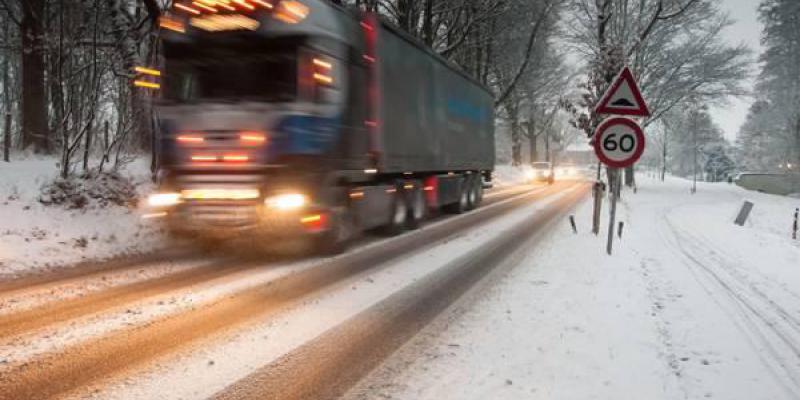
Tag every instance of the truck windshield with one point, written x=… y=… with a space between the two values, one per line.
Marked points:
x=268 y=78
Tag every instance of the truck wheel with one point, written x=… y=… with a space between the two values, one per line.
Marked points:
x=479 y=190
x=399 y=216
x=462 y=205
x=472 y=194
x=417 y=208
x=337 y=238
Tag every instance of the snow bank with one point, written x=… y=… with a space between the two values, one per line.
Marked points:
x=34 y=236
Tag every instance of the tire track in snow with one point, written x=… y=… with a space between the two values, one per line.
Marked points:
x=758 y=323
x=740 y=273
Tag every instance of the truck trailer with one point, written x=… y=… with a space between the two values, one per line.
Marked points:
x=303 y=119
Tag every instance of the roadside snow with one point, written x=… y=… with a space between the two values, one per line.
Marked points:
x=35 y=237
x=689 y=306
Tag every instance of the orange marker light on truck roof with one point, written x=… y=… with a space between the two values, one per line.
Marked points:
x=291 y=12
x=263 y=3
x=244 y=4
x=204 y=7
x=146 y=85
x=147 y=71
x=188 y=9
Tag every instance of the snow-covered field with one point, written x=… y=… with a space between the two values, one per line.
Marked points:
x=38 y=237
x=690 y=306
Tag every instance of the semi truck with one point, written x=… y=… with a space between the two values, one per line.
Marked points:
x=304 y=119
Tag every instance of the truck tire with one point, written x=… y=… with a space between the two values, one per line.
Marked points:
x=462 y=205
x=417 y=208
x=472 y=194
x=338 y=237
x=479 y=189
x=398 y=217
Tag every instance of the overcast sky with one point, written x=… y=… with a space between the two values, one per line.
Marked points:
x=746 y=29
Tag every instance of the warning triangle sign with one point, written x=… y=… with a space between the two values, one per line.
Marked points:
x=623 y=97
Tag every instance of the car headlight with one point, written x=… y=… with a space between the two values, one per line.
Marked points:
x=163 y=199
x=287 y=201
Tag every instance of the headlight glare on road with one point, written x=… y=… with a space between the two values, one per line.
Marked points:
x=286 y=201
x=163 y=199
x=530 y=174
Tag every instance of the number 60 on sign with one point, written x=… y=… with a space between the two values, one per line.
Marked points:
x=619 y=142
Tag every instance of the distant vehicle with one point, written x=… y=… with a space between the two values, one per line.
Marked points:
x=304 y=119
x=542 y=171
x=568 y=170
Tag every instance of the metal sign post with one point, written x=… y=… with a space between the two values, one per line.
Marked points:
x=614 y=177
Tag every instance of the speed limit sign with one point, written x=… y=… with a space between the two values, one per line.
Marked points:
x=618 y=142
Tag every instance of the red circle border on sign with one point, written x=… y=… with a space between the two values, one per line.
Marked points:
x=639 y=140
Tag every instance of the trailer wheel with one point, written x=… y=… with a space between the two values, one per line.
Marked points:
x=472 y=194
x=417 y=208
x=399 y=216
x=462 y=205
x=479 y=190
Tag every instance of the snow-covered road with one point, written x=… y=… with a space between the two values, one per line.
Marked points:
x=690 y=306
x=134 y=331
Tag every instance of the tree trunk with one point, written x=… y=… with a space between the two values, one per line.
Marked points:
x=427 y=23
x=516 y=144
x=7 y=139
x=86 y=147
x=35 y=130
x=665 y=145
x=404 y=18
x=534 y=148
x=547 y=145
x=6 y=100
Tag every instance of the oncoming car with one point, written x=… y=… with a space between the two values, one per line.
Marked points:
x=542 y=171
x=567 y=171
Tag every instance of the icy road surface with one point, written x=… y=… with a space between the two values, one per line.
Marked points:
x=689 y=307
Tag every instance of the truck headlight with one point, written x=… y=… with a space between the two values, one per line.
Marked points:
x=286 y=201
x=163 y=199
